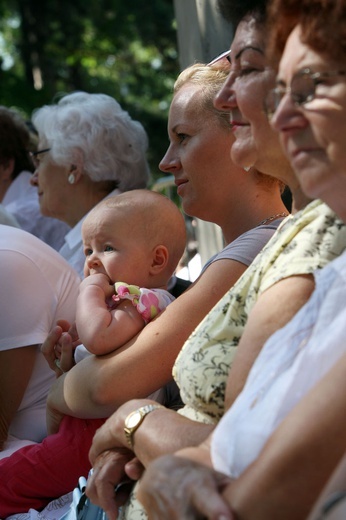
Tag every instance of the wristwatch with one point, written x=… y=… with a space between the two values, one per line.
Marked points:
x=135 y=419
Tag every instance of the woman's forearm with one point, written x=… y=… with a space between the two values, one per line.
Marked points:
x=97 y=386
x=166 y=431
x=16 y=367
x=162 y=431
x=71 y=394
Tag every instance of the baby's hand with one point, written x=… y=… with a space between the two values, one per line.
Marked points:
x=100 y=280
x=59 y=345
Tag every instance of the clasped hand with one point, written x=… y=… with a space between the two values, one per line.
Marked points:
x=176 y=488
x=109 y=485
x=115 y=467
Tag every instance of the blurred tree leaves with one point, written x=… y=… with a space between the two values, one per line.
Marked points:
x=126 y=49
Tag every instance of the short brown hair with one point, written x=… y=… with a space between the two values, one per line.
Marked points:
x=323 y=24
x=15 y=141
x=236 y=10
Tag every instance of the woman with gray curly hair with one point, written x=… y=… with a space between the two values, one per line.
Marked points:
x=89 y=148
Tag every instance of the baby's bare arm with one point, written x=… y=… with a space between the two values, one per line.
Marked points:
x=100 y=329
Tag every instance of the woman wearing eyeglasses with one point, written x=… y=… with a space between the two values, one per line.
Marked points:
x=277 y=445
x=17 y=196
x=89 y=148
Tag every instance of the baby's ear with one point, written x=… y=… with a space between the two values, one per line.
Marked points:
x=160 y=259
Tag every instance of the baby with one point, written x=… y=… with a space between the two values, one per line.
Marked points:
x=132 y=243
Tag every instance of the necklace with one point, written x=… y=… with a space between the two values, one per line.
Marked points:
x=272 y=217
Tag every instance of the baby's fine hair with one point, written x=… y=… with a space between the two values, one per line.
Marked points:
x=92 y=130
x=153 y=217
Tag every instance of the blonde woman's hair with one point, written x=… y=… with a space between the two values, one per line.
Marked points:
x=210 y=79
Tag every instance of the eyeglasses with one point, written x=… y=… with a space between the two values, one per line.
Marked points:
x=302 y=89
x=219 y=57
x=34 y=155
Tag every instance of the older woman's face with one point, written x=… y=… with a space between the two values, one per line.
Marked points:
x=243 y=95
x=313 y=134
x=52 y=186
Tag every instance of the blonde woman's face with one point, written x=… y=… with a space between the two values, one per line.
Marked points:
x=198 y=155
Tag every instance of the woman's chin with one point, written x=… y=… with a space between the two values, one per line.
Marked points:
x=45 y=211
x=243 y=156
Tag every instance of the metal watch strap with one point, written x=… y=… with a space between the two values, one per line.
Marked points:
x=143 y=412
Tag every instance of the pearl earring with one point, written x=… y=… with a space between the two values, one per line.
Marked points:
x=71 y=178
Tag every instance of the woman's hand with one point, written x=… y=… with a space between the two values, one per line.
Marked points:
x=114 y=466
x=111 y=434
x=174 y=487
x=109 y=486
x=60 y=345
x=134 y=469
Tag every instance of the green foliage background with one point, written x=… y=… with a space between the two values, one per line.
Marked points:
x=127 y=49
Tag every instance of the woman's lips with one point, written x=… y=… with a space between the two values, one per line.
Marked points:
x=238 y=124
x=300 y=156
x=180 y=183
x=306 y=149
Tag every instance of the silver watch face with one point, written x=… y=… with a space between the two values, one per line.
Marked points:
x=133 y=419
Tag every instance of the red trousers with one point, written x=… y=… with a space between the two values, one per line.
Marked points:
x=34 y=475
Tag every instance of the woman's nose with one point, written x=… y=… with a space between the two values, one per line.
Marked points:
x=34 y=178
x=286 y=115
x=225 y=98
x=169 y=162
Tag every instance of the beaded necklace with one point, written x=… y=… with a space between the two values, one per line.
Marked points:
x=272 y=217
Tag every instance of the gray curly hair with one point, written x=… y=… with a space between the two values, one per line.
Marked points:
x=92 y=130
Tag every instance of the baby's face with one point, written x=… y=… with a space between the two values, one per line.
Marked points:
x=111 y=248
